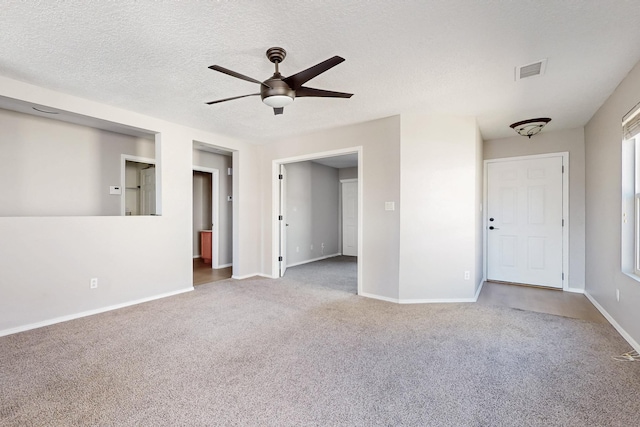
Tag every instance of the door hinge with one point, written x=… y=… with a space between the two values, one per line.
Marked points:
x=563 y=222
x=562 y=276
x=562 y=168
x=279 y=217
x=280 y=176
x=279 y=258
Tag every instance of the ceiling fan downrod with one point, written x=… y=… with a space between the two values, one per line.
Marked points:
x=276 y=55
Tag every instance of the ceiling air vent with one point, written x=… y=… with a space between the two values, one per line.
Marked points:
x=531 y=70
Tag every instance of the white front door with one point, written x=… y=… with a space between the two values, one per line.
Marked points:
x=148 y=191
x=525 y=220
x=283 y=221
x=350 y=218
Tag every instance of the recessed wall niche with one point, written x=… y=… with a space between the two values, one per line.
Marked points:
x=65 y=165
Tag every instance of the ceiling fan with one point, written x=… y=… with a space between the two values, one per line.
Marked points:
x=279 y=91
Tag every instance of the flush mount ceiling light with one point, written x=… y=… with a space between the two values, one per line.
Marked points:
x=530 y=127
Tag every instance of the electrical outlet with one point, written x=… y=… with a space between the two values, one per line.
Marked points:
x=467 y=275
x=94 y=283
x=322 y=249
x=297 y=248
x=618 y=295
x=311 y=247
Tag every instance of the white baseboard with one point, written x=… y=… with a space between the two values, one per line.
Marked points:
x=196 y=256
x=436 y=300
x=222 y=266
x=248 y=276
x=615 y=324
x=575 y=290
x=312 y=260
x=379 y=297
x=89 y=313
x=475 y=298
x=423 y=301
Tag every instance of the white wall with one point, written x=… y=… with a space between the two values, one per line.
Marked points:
x=312 y=211
x=572 y=141
x=380 y=141
x=438 y=209
x=225 y=214
x=603 y=145
x=46 y=263
x=478 y=277
x=61 y=169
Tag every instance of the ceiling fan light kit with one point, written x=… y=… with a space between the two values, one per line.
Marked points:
x=277 y=101
x=277 y=92
x=530 y=127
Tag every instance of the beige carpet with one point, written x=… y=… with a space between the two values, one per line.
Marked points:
x=306 y=351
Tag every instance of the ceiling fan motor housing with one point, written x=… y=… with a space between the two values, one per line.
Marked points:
x=276 y=88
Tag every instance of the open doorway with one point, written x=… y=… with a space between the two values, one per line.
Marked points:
x=212 y=214
x=138 y=188
x=311 y=212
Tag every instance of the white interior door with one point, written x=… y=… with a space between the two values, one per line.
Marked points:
x=148 y=191
x=525 y=220
x=283 y=221
x=350 y=218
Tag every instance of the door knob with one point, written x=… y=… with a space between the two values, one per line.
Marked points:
x=490 y=219
x=493 y=228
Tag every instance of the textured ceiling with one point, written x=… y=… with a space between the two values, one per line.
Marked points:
x=441 y=56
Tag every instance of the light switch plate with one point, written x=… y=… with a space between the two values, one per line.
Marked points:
x=389 y=206
x=115 y=189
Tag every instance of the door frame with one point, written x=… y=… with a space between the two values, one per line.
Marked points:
x=124 y=158
x=215 y=212
x=282 y=221
x=275 y=204
x=565 y=210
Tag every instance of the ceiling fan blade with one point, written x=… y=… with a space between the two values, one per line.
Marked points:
x=238 y=75
x=309 y=91
x=229 y=99
x=277 y=111
x=297 y=80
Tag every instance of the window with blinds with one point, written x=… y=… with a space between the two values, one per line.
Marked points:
x=631 y=123
x=631 y=192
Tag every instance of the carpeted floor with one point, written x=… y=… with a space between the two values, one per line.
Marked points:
x=299 y=352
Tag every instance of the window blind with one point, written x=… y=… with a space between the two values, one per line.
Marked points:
x=631 y=123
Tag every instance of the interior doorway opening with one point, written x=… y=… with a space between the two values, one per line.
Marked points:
x=212 y=221
x=310 y=208
x=138 y=188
